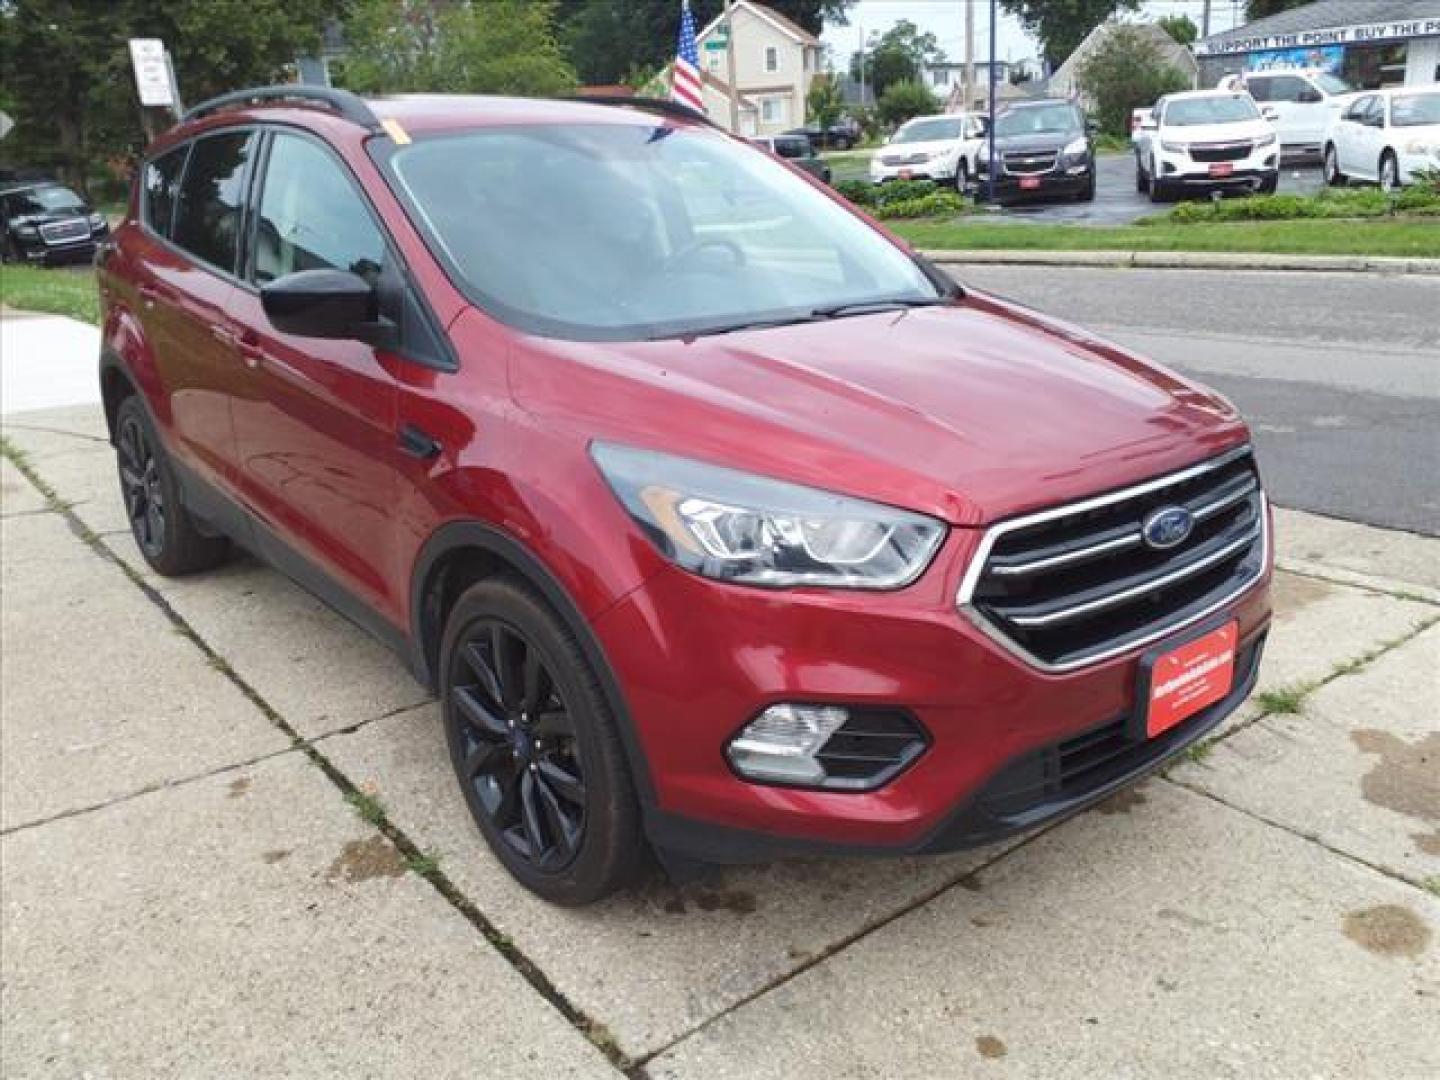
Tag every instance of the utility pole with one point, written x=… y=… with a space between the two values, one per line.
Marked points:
x=861 y=31
x=730 y=68
x=969 y=77
x=1205 y=20
x=990 y=172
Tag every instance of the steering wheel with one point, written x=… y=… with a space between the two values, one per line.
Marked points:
x=690 y=250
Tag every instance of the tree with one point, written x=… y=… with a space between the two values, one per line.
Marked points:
x=1127 y=71
x=898 y=55
x=67 y=67
x=1179 y=27
x=1062 y=24
x=1258 y=9
x=498 y=47
x=606 y=39
x=905 y=99
x=825 y=103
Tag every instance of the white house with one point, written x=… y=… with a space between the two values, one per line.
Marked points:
x=775 y=60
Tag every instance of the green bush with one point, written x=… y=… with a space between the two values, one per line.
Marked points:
x=938 y=203
x=859 y=192
x=1355 y=203
x=905 y=99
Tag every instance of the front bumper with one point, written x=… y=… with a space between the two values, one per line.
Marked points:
x=42 y=254
x=1180 y=170
x=699 y=659
x=942 y=170
x=1069 y=181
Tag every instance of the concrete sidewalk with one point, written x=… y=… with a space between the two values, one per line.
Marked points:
x=186 y=891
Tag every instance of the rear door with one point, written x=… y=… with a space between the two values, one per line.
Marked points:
x=1297 y=121
x=316 y=419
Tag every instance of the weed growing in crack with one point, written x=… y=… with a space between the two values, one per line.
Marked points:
x=370 y=809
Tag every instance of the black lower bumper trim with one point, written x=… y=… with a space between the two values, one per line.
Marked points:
x=1000 y=808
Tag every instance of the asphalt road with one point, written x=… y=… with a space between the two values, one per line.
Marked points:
x=1338 y=374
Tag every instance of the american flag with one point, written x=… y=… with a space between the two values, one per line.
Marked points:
x=685 y=80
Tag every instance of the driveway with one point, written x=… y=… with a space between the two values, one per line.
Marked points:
x=232 y=845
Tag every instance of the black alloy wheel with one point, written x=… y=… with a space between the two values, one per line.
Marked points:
x=516 y=743
x=140 y=485
x=536 y=747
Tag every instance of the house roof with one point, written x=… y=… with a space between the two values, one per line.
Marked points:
x=1325 y=14
x=770 y=15
x=1064 y=76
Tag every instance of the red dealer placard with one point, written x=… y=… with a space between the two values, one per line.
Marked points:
x=1188 y=678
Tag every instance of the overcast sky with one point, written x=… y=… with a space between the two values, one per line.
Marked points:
x=946 y=20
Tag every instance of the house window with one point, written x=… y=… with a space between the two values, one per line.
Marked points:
x=942 y=76
x=772 y=110
x=772 y=58
x=712 y=59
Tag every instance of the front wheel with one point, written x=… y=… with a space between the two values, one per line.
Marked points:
x=1142 y=179
x=1087 y=193
x=1389 y=173
x=1269 y=184
x=962 y=176
x=166 y=534
x=1333 y=176
x=535 y=747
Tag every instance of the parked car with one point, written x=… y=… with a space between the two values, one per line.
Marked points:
x=841 y=135
x=797 y=150
x=1042 y=148
x=1386 y=136
x=942 y=148
x=1305 y=103
x=1203 y=140
x=719 y=521
x=46 y=222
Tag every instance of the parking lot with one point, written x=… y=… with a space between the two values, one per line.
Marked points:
x=232 y=842
x=1116 y=200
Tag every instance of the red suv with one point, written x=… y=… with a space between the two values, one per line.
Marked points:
x=722 y=524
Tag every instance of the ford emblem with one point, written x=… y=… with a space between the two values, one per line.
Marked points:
x=1167 y=527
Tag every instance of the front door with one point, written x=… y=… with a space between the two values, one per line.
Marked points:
x=315 y=427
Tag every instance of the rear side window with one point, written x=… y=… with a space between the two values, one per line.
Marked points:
x=160 y=185
x=212 y=196
x=311 y=217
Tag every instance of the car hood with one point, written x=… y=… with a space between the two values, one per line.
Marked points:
x=970 y=412
x=1242 y=129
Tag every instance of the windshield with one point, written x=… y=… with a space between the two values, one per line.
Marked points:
x=1331 y=84
x=1041 y=120
x=1188 y=112
x=42 y=200
x=1413 y=110
x=624 y=231
x=943 y=127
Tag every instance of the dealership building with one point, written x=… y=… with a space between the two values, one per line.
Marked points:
x=1369 y=43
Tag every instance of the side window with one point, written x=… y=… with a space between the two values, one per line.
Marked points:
x=212 y=195
x=159 y=186
x=1357 y=108
x=1259 y=89
x=1291 y=88
x=311 y=217
x=772 y=58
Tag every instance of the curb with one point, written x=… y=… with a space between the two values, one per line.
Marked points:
x=1191 y=260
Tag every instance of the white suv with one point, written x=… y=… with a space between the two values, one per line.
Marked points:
x=1206 y=139
x=1305 y=103
x=942 y=148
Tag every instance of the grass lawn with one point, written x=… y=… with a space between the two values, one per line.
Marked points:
x=1413 y=237
x=57 y=291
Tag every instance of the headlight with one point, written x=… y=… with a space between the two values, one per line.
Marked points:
x=1075 y=149
x=737 y=527
x=1265 y=140
x=27 y=230
x=97 y=221
x=1173 y=147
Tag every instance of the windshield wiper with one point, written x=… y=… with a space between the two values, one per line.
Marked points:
x=730 y=328
x=869 y=307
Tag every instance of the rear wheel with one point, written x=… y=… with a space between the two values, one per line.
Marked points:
x=163 y=529
x=1331 y=167
x=1269 y=184
x=535 y=747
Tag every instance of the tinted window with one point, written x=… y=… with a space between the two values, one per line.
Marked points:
x=792 y=148
x=1357 y=109
x=207 y=214
x=1288 y=88
x=1039 y=120
x=160 y=184
x=311 y=217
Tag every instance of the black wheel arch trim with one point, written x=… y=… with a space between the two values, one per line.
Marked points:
x=425 y=630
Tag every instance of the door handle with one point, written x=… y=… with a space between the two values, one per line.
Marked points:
x=418 y=444
x=148 y=295
x=250 y=350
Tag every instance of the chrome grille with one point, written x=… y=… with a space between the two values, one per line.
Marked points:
x=59 y=232
x=905 y=159
x=1231 y=151
x=1079 y=583
x=1024 y=164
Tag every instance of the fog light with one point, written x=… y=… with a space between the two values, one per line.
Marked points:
x=781 y=743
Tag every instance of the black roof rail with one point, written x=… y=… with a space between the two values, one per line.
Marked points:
x=644 y=104
x=343 y=102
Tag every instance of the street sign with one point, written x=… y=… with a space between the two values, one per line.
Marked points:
x=152 y=72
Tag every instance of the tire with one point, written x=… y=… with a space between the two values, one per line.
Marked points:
x=535 y=748
x=1088 y=193
x=962 y=176
x=1269 y=185
x=1389 y=173
x=1159 y=192
x=163 y=529
x=1331 y=167
x=1142 y=179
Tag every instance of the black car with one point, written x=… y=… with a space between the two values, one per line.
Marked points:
x=841 y=136
x=1042 y=149
x=796 y=149
x=46 y=222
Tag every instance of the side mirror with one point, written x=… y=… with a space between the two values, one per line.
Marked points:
x=1269 y=112
x=1092 y=127
x=327 y=304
